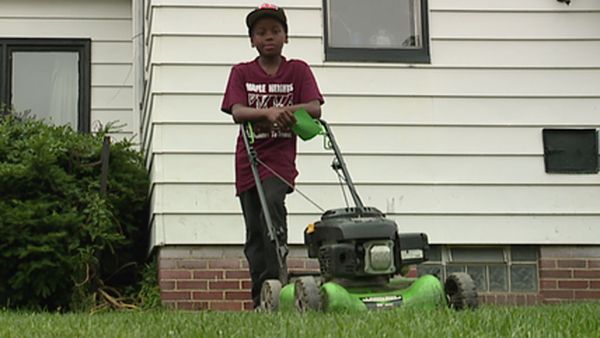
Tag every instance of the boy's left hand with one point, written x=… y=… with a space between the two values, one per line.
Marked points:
x=281 y=117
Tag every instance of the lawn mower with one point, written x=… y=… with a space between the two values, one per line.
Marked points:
x=360 y=252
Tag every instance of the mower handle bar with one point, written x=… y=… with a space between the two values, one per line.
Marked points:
x=342 y=166
x=272 y=232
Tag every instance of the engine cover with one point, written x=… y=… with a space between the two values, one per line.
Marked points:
x=360 y=243
x=348 y=224
x=350 y=243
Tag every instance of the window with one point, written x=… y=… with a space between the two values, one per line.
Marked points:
x=493 y=269
x=570 y=151
x=48 y=79
x=378 y=31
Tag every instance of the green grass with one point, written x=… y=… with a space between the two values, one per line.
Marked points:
x=573 y=320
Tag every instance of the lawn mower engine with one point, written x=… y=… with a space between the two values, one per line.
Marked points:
x=361 y=245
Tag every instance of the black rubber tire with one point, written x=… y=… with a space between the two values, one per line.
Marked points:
x=307 y=294
x=460 y=291
x=269 y=295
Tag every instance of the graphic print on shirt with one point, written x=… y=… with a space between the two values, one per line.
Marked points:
x=261 y=95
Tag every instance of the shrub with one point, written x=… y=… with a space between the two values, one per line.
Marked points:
x=61 y=240
x=148 y=296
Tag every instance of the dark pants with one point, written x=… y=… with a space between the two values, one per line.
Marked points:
x=259 y=250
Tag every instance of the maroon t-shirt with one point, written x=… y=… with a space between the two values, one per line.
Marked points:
x=251 y=86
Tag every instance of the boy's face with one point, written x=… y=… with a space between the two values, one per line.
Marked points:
x=268 y=36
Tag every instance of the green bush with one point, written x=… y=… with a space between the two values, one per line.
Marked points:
x=148 y=296
x=62 y=242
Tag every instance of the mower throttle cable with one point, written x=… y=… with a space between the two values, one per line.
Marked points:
x=289 y=184
x=342 y=181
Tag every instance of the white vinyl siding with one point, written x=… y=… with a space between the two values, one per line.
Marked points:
x=452 y=148
x=108 y=24
x=377 y=81
x=204 y=228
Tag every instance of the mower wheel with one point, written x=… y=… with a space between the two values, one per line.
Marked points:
x=307 y=294
x=269 y=295
x=460 y=291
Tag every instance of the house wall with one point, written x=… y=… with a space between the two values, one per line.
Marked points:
x=108 y=24
x=452 y=148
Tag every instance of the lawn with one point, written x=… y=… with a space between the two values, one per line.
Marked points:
x=574 y=320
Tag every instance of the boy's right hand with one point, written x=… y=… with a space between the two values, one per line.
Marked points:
x=280 y=117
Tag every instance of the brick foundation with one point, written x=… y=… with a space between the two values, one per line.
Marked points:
x=213 y=278
x=217 y=278
x=569 y=273
x=509 y=298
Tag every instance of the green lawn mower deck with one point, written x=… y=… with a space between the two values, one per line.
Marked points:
x=360 y=254
x=425 y=291
x=307 y=294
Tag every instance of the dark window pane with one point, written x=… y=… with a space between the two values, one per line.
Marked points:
x=435 y=253
x=571 y=151
x=477 y=272
x=523 y=277
x=477 y=254
x=498 y=278
x=374 y=24
x=430 y=269
x=46 y=84
x=524 y=253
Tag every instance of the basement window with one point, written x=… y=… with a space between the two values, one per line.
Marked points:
x=493 y=269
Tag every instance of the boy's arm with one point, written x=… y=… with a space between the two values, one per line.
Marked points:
x=282 y=116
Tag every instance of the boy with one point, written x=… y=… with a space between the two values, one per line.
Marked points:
x=266 y=92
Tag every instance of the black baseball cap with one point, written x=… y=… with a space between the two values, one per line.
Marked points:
x=263 y=11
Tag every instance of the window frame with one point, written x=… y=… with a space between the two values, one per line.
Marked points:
x=390 y=55
x=81 y=46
